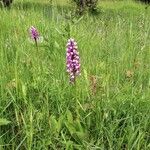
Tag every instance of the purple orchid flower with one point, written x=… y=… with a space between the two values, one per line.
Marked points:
x=72 y=60
x=34 y=34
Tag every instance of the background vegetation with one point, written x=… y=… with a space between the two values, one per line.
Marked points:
x=108 y=108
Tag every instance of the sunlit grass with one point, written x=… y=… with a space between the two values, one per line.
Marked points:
x=107 y=108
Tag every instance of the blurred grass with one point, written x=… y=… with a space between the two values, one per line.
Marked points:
x=108 y=108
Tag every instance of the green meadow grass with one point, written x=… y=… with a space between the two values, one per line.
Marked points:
x=109 y=106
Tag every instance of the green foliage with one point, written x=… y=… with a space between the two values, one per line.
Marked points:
x=4 y=121
x=107 y=108
x=83 y=5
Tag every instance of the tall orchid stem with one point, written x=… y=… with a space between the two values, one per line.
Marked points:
x=36 y=44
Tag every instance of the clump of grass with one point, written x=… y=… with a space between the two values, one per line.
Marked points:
x=108 y=108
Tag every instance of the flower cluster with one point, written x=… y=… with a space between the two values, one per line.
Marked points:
x=72 y=54
x=34 y=34
x=72 y=60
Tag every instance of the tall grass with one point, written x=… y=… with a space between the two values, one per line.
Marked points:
x=108 y=108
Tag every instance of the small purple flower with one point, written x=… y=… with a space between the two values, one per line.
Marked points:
x=72 y=60
x=34 y=34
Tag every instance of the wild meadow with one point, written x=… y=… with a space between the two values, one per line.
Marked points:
x=107 y=107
